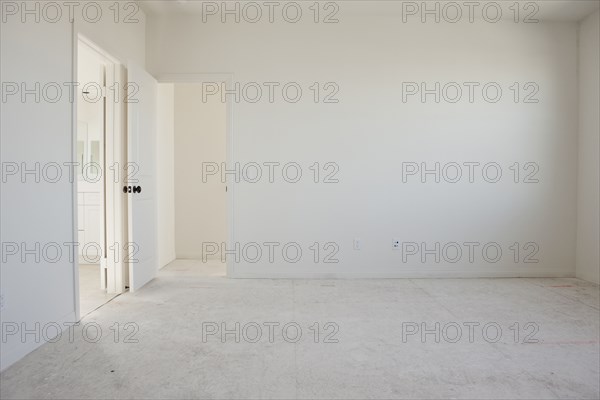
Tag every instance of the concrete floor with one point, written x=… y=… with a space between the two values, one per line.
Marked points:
x=370 y=360
x=90 y=294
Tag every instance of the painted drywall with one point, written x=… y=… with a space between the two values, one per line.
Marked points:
x=166 y=174
x=200 y=215
x=120 y=31
x=588 y=201
x=371 y=132
x=33 y=132
x=33 y=212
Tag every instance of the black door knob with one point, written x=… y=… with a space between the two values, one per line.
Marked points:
x=132 y=189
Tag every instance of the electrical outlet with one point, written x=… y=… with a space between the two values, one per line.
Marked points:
x=396 y=244
x=356 y=244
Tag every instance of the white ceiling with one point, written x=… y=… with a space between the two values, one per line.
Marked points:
x=549 y=10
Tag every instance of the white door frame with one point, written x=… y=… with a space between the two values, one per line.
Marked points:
x=115 y=131
x=230 y=154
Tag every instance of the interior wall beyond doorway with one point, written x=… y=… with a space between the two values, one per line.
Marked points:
x=166 y=176
x=200 y=137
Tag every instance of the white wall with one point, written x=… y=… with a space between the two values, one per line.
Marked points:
x=41 y=132
x=370 y=132
x=166 y=174
x=35 y=133
x=200 y=208
x=588 y=205
x=124 y=40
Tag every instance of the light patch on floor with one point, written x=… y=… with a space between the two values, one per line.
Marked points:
x=363 y=349
x=90 y=294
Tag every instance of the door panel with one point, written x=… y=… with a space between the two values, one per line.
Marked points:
x=141 y=173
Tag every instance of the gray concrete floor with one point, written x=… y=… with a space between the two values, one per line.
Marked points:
x=171 y=359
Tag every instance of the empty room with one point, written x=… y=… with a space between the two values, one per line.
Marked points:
x=306 y=199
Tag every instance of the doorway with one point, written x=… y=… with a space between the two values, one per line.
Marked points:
x=193 y=139
x=97 y=144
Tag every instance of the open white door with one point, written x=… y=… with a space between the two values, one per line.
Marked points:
x=141 y=176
